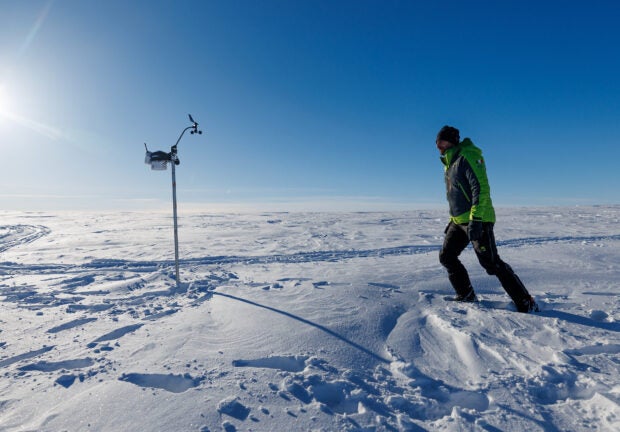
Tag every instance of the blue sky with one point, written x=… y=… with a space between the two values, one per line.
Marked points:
x=305 y=105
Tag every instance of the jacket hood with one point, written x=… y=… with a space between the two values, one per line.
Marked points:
x=465 y=148
x=468 y=146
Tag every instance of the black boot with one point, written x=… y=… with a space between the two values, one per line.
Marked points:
x=470 y=297
x=527 y=305
x=516 y=289
x=462 y=286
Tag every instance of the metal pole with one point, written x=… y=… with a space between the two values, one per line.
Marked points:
x=174 y=213
x=159 y=157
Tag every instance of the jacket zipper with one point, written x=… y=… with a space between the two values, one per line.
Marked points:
x=463 y=191
x=458 y=183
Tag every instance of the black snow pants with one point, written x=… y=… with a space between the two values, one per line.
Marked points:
x=456 y=241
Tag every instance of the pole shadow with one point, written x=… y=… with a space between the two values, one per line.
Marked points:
x=310 y=323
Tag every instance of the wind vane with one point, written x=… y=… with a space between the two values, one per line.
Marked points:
x=159 y=161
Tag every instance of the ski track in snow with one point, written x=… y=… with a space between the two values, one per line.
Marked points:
x=297 y=258
x=126 y=299
x=16 y=235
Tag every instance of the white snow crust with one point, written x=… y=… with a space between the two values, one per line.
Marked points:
x=305 y=322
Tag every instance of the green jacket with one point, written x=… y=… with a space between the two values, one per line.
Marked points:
x=467 y=186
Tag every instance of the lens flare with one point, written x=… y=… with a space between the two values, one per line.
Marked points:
x=35 y=27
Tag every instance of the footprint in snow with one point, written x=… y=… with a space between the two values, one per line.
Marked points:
x=71 y=324
x=66 y=380
x=118 y=333
x=24 y=356
x=283 y=363
x=169 y=382
x=233 y=408
x=384 y=286
x=44 y=366
x=113 y=335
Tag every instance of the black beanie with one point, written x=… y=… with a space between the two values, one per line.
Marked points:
x=450 y=134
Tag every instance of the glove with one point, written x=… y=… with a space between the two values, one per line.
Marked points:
x=474 y=230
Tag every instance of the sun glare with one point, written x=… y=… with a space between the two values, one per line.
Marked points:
x=9 y=115
x=4 y=100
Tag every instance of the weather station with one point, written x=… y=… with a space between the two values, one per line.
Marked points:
x=159 y=160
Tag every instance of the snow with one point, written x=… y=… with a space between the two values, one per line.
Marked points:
x=305 y=321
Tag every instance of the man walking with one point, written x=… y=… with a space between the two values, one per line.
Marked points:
x=471 y=220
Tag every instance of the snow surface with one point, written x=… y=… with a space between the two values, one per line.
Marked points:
x=304 y=321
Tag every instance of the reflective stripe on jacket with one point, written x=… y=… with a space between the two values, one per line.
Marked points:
x=467 y=186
